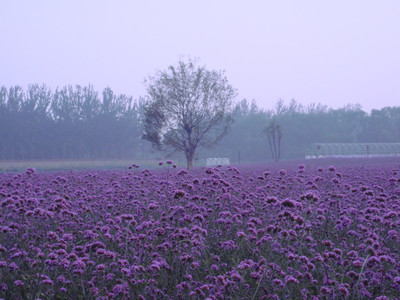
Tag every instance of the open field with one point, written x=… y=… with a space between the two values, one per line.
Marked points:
x=283 y=231
x=51 y=165
x=83 y=164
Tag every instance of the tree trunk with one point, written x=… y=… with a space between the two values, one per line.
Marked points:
x=189 y=163
x=270 y=147
x=189 y=158
x=274 y=144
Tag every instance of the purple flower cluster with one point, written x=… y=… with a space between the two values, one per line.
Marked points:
x=292 y=233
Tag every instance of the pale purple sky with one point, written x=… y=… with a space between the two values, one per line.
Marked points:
x=330 y=52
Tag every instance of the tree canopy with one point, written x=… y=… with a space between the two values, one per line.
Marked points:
x=187 y=106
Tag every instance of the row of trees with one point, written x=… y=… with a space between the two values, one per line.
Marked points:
x=189 y=106
x=298 y=127
x=71 y=122
x=188 y=109
x=77 y=122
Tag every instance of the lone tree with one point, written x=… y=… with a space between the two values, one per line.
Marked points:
x=187 y=106
x=274 y=135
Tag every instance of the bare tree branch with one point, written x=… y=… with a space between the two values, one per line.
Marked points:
x=187 y=106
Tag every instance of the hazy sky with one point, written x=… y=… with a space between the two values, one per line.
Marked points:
x=332 y=52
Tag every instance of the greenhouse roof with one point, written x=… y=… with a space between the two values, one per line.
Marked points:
x=354 y=149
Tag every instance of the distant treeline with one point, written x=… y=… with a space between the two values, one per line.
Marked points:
x=81 y=123
x=71 y=122
x=304 y=125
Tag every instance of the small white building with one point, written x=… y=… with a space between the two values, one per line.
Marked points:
x=217 y=161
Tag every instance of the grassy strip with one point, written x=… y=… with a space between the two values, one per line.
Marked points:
x=52 y=165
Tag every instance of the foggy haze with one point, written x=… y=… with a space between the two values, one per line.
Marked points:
x=313 y=51
x=199 y=149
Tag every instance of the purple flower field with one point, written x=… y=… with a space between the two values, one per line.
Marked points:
x=248 y=233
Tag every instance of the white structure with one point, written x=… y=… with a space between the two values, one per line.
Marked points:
x=220 y=161
x=353 y=150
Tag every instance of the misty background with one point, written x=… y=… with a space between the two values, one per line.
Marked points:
x=72 y=73
x=77 y=122
x=329 y=52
